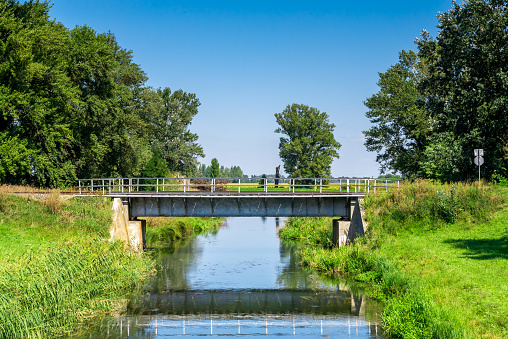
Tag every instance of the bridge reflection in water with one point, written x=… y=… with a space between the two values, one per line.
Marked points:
x=146 y=326
x=272 y=313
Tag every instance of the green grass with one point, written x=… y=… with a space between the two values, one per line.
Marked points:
x=435 y=255
x=57 y=271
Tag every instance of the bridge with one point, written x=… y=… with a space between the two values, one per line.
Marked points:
x=237 y=197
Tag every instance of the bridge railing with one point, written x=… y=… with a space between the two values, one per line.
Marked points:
x=108 y=186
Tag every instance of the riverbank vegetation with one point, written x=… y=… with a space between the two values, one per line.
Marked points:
x=57 y=269
x=434 y=254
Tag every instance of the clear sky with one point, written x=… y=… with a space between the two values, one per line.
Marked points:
x=247 y=60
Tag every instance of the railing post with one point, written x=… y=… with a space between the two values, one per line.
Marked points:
x=266 y=185
x=163 y=184
x=320 y=185
x=315 y=184
x=386 y=185
x=239 y=184
x=213 y=184
x=157 y=187
x=293 y=185
x=184 y=185
x=347 y=185
x=398 y=184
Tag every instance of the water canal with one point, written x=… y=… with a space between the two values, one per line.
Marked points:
x=242 y=281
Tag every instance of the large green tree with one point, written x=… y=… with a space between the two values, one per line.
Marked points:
x=307 y=146
x=172 y=114
x=74 y=104
x=108 y=140
x=467 y=88
x=36 y=96
x=401 y=123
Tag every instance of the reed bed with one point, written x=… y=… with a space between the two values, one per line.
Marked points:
x=57 y=271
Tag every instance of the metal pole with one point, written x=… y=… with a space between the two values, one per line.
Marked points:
x=157 y=185
x=103 y=188
x=79 y=184
x=163 y=184
x=321 y=185
x=266 y=185
x=347 y=185
x=213 y=184
x=239 y=184
x=479 y=182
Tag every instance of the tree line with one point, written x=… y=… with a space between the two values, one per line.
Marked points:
x=446 y=98
x=74 y=104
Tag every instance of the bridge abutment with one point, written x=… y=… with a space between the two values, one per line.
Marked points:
x=131 y=232
x=347 y=229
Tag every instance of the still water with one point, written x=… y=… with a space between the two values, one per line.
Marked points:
x=242 y=281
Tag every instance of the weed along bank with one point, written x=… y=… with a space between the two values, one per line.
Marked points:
x=433 y=254
x=60 y=274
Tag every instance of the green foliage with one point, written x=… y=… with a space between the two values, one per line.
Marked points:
x=500 y=180
x=401 y=124
x=307 y=146
x=437 y=105
x=169 y=115
x=74 y=104
x=215 y=169
x=225 y=172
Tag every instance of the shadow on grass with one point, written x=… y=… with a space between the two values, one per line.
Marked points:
x=482 y=249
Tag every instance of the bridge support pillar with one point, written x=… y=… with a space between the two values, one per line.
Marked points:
x=131 y=232
x=346 y=230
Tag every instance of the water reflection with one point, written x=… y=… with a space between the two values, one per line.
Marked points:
x=242 y=281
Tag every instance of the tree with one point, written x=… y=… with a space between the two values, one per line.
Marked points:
x=215 y=169
x=307 y=146
x=169 y=129
x=467 y=89
x=401 y=124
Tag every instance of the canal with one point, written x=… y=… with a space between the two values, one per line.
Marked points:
x=242 y=281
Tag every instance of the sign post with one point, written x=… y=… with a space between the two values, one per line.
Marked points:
x=478 y=160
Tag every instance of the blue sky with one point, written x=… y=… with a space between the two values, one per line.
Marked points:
x=247 y=60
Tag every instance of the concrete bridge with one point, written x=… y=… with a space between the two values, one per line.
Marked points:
x=184 y=197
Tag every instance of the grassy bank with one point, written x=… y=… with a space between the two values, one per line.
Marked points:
x=58 y=271
x=436 y=255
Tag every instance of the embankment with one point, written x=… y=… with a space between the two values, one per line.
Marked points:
x=434 y=255
x=58 y=271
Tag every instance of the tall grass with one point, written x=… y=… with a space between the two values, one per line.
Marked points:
x=57 y=272
x=418 y=207
x=53 y=291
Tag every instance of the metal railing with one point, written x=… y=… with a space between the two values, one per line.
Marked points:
x=108 y=186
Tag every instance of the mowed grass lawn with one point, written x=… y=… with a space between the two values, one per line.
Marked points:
x=464 y=267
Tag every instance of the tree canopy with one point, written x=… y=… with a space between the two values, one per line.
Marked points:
x=307 y=146
x=458 y=97
x=74 y=104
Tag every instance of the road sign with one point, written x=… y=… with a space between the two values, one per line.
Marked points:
x=478 y=152
x=479 y=161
